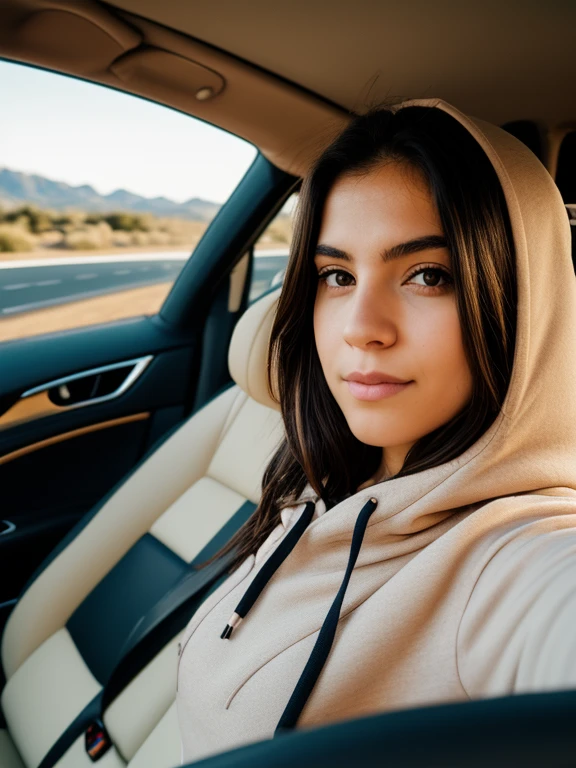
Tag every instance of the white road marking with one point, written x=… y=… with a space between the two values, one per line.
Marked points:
x=118 y=258
x=48 y=282
x=122 y=271
x=115 y=258
x=87 y=276
x=16 y=286
x=144 y=269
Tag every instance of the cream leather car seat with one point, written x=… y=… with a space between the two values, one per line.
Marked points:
x=66 y=631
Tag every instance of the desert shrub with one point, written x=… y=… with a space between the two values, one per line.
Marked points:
x=62 y=223
x=69 y=222
x=31 y=218
x=89 y=237
x=77 y=230
x=121 y=239
x=127 y=222
x=14 y=239
x=94 y=218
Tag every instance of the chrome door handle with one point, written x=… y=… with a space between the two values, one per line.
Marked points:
x=6 y=527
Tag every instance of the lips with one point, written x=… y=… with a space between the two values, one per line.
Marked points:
x=374 y=386
x=374 y=377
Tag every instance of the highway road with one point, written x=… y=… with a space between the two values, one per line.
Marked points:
x=35 y=284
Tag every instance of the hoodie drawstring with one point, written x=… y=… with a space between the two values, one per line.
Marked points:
x=324 y=641
x=268 y=570
x=325 y=638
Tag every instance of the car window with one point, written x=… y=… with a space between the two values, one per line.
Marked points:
x=103 y=197
x=271 y=251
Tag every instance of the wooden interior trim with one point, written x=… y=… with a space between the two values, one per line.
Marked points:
x=28 y=409
x=71 y=434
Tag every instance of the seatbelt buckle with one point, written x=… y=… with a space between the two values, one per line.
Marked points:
x=96 y=740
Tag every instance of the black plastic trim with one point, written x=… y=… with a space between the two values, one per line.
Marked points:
x=521 y=731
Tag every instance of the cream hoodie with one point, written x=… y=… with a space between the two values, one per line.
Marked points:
x=465 y=581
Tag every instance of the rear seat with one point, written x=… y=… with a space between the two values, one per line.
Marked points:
x=67 y=629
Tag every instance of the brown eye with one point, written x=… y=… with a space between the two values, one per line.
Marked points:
x=431 y=277
x=342 y=278
x=337 y=278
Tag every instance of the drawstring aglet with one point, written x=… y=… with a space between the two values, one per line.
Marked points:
x=268 y=570
x=233 y=621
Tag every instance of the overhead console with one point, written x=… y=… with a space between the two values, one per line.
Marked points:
x=177 y=76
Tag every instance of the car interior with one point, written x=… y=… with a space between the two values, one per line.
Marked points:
x=105 y=497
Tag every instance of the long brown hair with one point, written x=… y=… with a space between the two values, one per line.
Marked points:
x=319 y=447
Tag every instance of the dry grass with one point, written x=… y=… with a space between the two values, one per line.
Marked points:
x=100 y=309
x=30 y=230
x=91 y=240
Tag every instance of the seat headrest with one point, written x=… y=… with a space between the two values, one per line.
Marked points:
x=248 y=353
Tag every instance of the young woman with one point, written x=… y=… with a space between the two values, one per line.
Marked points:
x=416 y=538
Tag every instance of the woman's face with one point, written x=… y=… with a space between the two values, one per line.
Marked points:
x=385 y=307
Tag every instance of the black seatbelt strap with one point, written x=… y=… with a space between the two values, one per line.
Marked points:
x=173 y=611
x=89 y=714
x=170 y=615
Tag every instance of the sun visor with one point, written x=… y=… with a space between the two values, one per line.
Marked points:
x=84 y=38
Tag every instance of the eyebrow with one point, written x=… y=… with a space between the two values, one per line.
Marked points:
x=426 y=243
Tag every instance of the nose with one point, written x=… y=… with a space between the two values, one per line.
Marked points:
x=370 y=321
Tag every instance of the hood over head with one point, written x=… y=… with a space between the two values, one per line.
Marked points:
x=529 y=448
x=532 y=442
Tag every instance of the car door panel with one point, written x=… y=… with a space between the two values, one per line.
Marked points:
x=57 y=462
x=47 y=491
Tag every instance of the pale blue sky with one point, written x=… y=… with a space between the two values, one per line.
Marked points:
x=77 y=132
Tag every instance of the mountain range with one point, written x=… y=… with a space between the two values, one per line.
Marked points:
x=18 y=188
